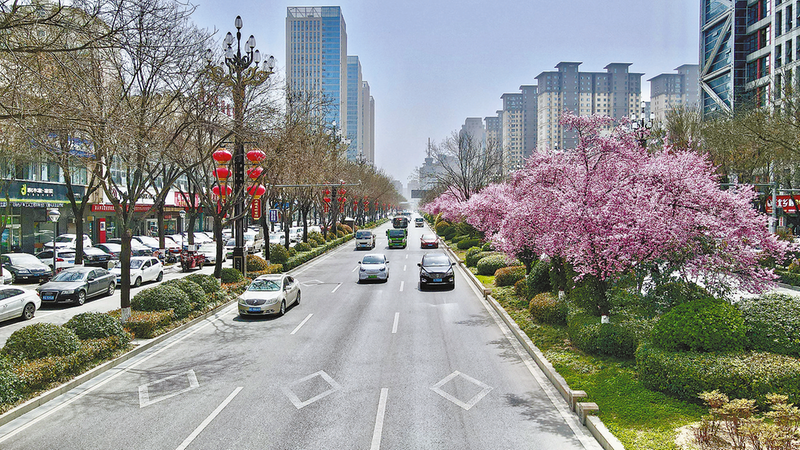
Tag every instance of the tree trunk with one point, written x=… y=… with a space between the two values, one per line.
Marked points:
x=125 y=263
x=78 y=236
x=219 y=245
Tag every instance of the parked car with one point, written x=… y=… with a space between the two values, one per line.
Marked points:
x=137 y=248
x=25 y=267
x=17 y=302
x=269 y=294
x=254 y=242
x=171 y=246
x=6 y=278
x=143 y=269
x=436 y=269
x=96 y=257
x=209 y=251
x=365 y=239
x=374 y=267
x=65 y=258
x=68 y=241
x=429 y=241
x=147 y=241
x=419 y=222
x=76 y=285
x=110 y=248
x=296 y=234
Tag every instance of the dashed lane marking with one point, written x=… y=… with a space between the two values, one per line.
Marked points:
x=208 y=420
x=301 y=324
x=336 y=288
x=376 y=435
x=402 y=283
x=396 y=319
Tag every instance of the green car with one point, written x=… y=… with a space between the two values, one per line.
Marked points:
x=397 y=238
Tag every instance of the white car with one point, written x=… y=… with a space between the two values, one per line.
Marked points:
x=374 y=267
x=68 y=241
x=65 y=258
x=209 y=251
x=143 y=269
x=150 y=242
x=17 y=302
x=269 y=294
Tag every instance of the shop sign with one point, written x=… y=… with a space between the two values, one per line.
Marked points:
x=180 y=200
x=110 y=208
x=785 y=202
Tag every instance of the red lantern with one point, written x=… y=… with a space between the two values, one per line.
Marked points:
x=255 y=172
x=256 y=156
x=222 y=156
x=342 y=191
x=222 y=173
x=221 y=192
x=326 y=199
x=256 y=191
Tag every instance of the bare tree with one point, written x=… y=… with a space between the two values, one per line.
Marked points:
x=466 y=164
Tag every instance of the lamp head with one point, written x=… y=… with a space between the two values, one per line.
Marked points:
x=238 y=22
x=251 y=42
x=228 y=40
x=271 y=63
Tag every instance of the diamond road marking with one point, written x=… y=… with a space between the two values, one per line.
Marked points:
x=144 y=393
x=466 y=406
x=300 y=404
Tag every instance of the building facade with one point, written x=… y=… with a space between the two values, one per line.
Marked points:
x=530 y=129
x=367 y=131
x=513 y=135
x=355 y=110
x=674 y=90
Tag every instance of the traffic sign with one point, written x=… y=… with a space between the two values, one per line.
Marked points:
x=273 y=215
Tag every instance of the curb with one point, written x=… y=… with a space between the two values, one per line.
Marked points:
x=586 y=411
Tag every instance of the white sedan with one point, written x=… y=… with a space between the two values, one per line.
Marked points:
x=17 y=302
x=143 y=269
x=374 y=267
x=269 y=294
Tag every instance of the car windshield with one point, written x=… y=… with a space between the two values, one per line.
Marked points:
x=70 y=276
x=230 y=243
x=24 y=259
x=397 y=233
x=373 y=260
x=435 y=260
x=135 y=263
x=363 y=234
x=265 y=285
x=64 y=239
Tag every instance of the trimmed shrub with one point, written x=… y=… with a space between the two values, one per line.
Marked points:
x=450 y=233
x=468 y=243
x=272 y=268
x=472 y=259
x=303 y=247
x=442 y=226
x=741 y=375
x=163 y=298
x=465 y=229
x=339 y=234
x=292 y=251
x=472 y=251
x=230 y=275
x=548 y=308
x=539 y=278
x=209 y=284
x=772 y=323
x=490 y=264
x=457 y=239
x=673 y=293
x=312 y=243
x=487 y=247
x=10 y=384
x=238 y=287
x=508 y=276
x=255 y=263
x=610 y=339
x=521 y=288
x=277 y=254
x=345 y=228
x=146 y=324
x=708 y=325
x=95 y=325
x=40 y=340
x=197 y=296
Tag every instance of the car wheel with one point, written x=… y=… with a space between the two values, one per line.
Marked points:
x=283 y=308
x=111 y=288
x=160 y=276
x=297 y=300
x=28 y=311
x=138 y=282
x=81 y=298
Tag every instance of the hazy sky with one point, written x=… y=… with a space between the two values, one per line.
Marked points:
x=431 y=64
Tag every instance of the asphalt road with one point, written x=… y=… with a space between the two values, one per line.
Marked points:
x=354 y=366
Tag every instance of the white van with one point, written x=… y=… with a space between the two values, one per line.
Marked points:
x=365 y=239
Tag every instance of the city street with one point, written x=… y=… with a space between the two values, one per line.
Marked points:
x=353 y=366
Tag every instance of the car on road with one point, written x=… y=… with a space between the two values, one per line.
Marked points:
x=269 y=295
x=209 y=251
x=436 y=270
x=96 y=257
x=65 y=258
x=400 y=222
x=419 y=222
x=429 y=241
x=374 y=267
x=398 y=237
x=68 y=241
x=143 y=269
x=17 y=302
x=365 y=239
x=76 y=284
x=25 y=267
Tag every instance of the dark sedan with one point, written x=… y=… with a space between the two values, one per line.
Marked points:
x=95 y=257
x=77 y=284
x=24 y=266
x=436 y=270
x=429 y=241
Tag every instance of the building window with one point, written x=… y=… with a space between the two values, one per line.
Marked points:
x=778 y=23
x=789 y=54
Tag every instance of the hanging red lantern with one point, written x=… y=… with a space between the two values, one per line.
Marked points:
x=255 y=172
x=256 y=191
x=222 y=156
x=223 y=192
x=326 y=199
x=256 y=156
x=222 y=174
x=342 y=191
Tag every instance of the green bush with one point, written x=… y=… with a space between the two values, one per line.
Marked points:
x=468 y=243
x=339 y=234
x=548 y=308
x=458 y=238
x=772 y=323
x=673 y=293
x=312 y=243
x=292 y=251
x=95 y=325
x=209 y=284
x=465 y=229
x=10 y=384
x=278 y=254
x=40 y=340
x=521 y=289
x=487 y=247
x=472 y=259
x=255 y=263
x=303 y=247
x=472 y=251
x=442 y=226
x=737 y=374
x=449 y=233
x=539 y=278
x=490 y=264
x=230 y=275
x=162 y=298
x=595 y=338
x=508 y=276
x=197 y=296
x=708 y=325
x=589 y=293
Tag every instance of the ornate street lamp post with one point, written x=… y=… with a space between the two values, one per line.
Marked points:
x=641 y=127
x=53 y=214
x=242 y=71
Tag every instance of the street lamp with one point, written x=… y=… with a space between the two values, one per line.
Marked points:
x=242 y=71
x=183 y=226
x=641 y=127
x=53 y=215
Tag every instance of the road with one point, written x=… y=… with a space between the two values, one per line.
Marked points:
x=353 y=366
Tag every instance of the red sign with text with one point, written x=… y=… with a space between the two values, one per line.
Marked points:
x=785 y=202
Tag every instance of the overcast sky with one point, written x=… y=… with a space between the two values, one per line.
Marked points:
x=433 y=63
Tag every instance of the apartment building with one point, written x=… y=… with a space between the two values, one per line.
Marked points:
x=674 y=90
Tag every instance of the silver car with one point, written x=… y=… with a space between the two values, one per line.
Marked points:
x=269 y=294
x=17 y=302
x=374 y=267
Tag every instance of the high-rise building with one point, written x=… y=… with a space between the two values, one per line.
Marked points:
x=615 y=93
x=530 y=116
x=494 y=130
x=355 y=110
x=513 y=136
x=371 y=150
x=473 y=127
x=316 y=58
x=366 y=131
x=674 y=90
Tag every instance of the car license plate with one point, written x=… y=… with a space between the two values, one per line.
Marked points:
x=48 y=297
x=437 y=280
x=255 y=309
x=372 y=276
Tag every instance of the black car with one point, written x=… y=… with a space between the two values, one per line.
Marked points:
x=76 y=284
x=24 y=266
x=436 y=270
x=95 y=257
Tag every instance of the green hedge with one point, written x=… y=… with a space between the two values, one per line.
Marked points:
x=490 y=264
x=539 y=278
x=468 y=243
x=10 y=384
x=788 y=277
x=197 y=296
x=162 y=298
x=738 y=374
x=609 y=339
x=95 y=325
x=303 y=247
x=209 y=284
x=255 y=263
x=41 y=340
x=772 y=323
x=147 y=324
x=278 y=254
x=548 y=308
x=508 y=276
x=473 y=258
x=303 y=257
x=701 y=325
x=230 y=275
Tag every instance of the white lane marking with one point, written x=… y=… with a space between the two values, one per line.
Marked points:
x=402 y=283
x=376 y=435
x=208 y=420
x=299 y=404
x=396 y=319
x=336 y=288
x=404 y=268
x=464 y=405
x=301 y=323
x=144 y=390
x=406 y=256
x=355 y=268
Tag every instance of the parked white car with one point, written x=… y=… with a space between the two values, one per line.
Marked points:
x=209 y=251
x=65 y=258
x=17 y=302
x=143 y=269
x=68 y=241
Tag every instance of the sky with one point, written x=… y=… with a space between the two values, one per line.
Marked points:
x=431 y=64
